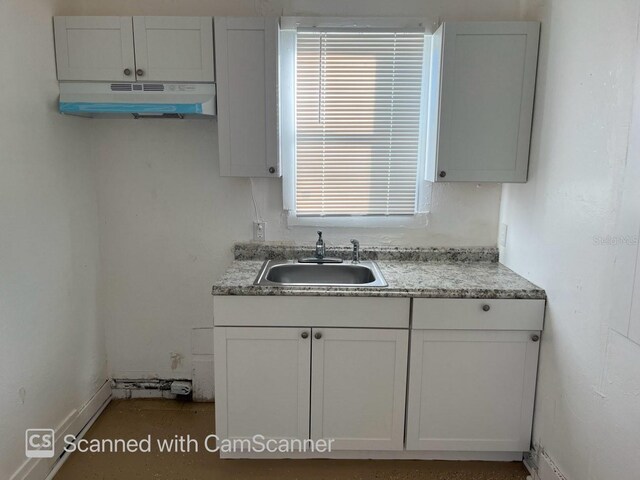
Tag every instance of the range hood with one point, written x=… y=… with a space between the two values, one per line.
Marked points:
x=138 y=100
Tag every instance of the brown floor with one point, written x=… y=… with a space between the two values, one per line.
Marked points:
x=165 y=418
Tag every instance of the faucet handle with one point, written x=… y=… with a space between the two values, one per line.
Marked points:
x=319 y=235
x=356 y=251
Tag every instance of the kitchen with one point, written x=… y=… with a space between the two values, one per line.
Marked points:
x=116 y=229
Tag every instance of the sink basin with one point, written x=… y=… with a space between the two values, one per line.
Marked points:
x=286 y=274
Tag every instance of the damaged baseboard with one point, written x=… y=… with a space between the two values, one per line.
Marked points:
x=541 y=467
x=143 y=388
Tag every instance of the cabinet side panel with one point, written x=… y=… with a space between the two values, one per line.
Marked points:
x=62 y=51
x=529 y=395
x=271 y=95
x=222 y=97
x=433 y=106
x=528 y=94
x=220 y=379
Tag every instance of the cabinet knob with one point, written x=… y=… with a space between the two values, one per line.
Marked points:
x=272 y=170
x=127 y=71
x=535 y=338
x=318 y=335
x=139 y=72
x=486 y=307
x=443 y=174
x=305 y=335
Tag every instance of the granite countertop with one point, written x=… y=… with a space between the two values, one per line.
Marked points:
x=447 y=277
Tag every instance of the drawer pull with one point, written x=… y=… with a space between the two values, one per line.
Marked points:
x=486 y=307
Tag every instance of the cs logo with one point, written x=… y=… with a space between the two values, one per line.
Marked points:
x=39 y=443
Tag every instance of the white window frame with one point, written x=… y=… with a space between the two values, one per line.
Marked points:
x=287 y=69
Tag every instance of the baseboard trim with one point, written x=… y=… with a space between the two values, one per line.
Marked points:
x=548 y=470
x=541 y=467
x=384 y=455
x=77 y=423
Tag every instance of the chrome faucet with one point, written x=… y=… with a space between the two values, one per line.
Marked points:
x=319 y=255
x=355 y=258
x=320 y=250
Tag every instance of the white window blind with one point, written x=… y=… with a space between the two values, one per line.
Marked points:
x=357 y=113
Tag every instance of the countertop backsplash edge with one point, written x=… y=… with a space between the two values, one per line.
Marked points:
x=275 y=251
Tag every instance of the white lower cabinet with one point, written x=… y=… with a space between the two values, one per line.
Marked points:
x=471 y=390
x=262 y=382
x=358 y=385
x=356 y=379
x=460 y=384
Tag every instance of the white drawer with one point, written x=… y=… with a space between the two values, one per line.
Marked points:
x=298 y=311
x=477 y=314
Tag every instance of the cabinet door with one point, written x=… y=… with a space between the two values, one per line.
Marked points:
x=174 y=49
x=94 y=48
x=246 y=66
x=358 y=385
x=483 y=108
x=471 y=390
x=262 y=382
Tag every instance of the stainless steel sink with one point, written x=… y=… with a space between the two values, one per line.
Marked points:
x=287 y=274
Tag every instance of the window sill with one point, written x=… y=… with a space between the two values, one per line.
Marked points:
x=419 y=220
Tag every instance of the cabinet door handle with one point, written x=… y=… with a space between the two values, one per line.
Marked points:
x=318 y=335
x=272 y=170
x=486 y=307
x=305 y=335
x=127 y=71
x=535 y=338
x=443 y=174
x=139 y=72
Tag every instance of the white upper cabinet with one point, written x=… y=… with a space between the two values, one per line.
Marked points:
x=94 y=48
x=160 y=49
x=246 y=67
x=481 y=101
x=178 y=49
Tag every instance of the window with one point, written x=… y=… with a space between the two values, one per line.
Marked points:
x=355 y=146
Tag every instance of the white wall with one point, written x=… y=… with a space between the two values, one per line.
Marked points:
x=169 y=221
x=52 y=349
x=560 y=225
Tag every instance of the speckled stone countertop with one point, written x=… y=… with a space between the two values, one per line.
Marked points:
x=276 y=251
x=444 y=278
